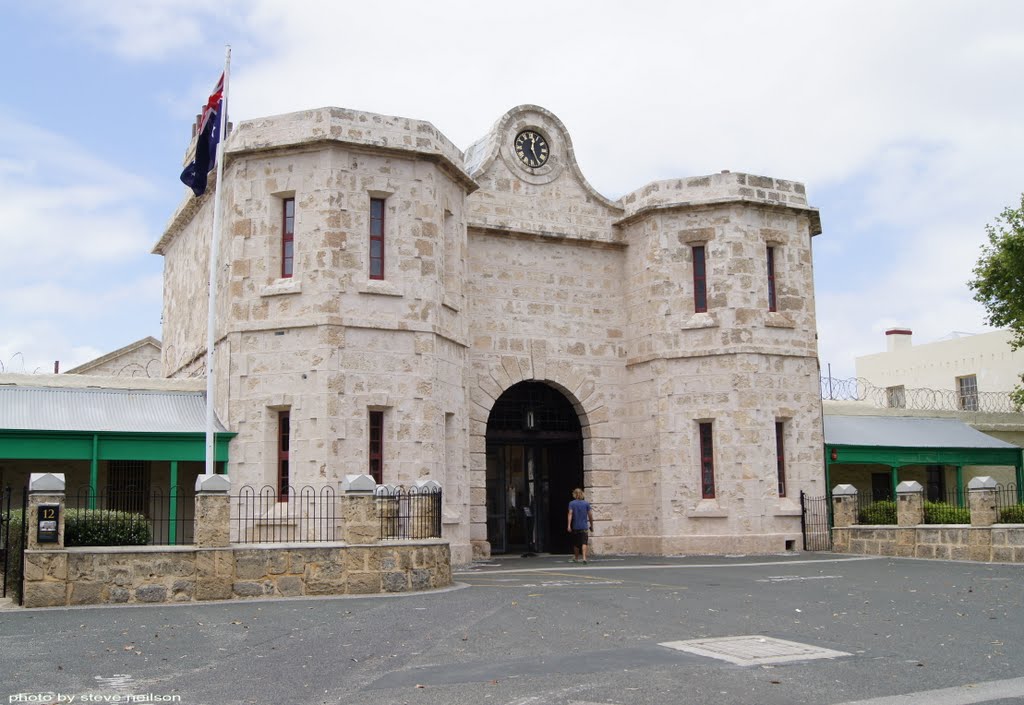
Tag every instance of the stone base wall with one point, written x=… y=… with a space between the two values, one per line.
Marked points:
x=94 y=576
x=999 y=543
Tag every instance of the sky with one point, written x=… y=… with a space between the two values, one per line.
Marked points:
x=903 y=118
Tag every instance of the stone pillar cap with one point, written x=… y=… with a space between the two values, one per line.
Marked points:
x=358 y=484
x=909 y=487
x=983 y=482
x=213 y=483
x=844 y=490
x=429 y=485
x=46 y=482
x=388 y=490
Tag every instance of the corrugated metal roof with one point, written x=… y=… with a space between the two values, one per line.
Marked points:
x=97 y=409
x=906 y=432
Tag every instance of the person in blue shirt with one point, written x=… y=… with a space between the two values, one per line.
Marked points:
x=580 y=521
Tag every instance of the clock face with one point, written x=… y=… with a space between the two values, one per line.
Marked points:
x=531 y=148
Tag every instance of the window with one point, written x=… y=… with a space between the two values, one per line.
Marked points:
x=128 y=486
x=967 y=392
x=287 y=237
x=896 y=397
x=700 y=281
x=377 y=446
x=376 y=238
x=780 y=455
x=283 y=441
x=771 y=279
x=707 y=462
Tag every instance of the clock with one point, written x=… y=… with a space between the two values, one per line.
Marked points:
x=531 y=148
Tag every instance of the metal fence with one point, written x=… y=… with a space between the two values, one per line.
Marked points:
x=413 y=513
x=875 y=511
x=1009 y=504
x=899 y=397
x=129 y=516
x=262 y=515
x=946 y=507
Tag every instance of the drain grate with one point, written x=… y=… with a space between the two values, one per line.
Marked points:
x=753 y=650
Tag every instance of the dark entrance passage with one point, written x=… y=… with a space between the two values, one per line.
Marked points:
x=534 y=461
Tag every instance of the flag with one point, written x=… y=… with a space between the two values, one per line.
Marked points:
x=194 y=175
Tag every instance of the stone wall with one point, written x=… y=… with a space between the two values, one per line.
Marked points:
x=981 y=540
x=497 y=273
x=94 y=576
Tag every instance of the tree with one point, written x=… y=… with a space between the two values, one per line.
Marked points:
x=998 y=282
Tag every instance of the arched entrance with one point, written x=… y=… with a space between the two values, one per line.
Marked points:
x=534 y=460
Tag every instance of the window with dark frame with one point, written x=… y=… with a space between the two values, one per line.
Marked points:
x=287 y=237
x=771 y=279
x=896 y=397
x=128 y=486
x=967 y=392
x=283 y=441
x=377 y=446
x=707 y=462
x=376 y=238
x=780 y=455
x=700 y=281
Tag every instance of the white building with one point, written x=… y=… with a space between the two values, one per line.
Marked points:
x=969 y=367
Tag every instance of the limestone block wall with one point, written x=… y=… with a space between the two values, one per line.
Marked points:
x=93 y=576
x=549 y=310
x=554 y=198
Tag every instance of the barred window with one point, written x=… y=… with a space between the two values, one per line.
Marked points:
x=700 y=280
x=780 y=455
x=376 y=469
x=376 y=238
x=707 y=462
x=967 y=392
x=283 y=442
x=896 y=397
x=287 y=237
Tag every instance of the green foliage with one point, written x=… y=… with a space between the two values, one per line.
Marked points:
x=881 y=512
x=13 y=576
x=105 y=527
x=998 y=281
x=945 y=513
x=1012 y=515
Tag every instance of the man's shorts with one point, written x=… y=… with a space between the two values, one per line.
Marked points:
x=580 y=538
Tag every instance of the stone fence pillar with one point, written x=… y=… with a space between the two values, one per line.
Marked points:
x=844 y=506
x=981 y=498
x=909 y=503
x=213 y=511
x=358 y=510
x=46 y=491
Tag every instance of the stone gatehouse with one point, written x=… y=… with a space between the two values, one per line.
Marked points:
x=392 y=305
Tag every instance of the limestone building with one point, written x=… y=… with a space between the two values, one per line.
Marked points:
x=390 y=304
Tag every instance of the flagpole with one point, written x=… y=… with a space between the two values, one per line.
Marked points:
x=211 y=316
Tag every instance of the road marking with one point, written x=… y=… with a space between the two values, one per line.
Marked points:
x=787 y=578
x=592 y=566
x=959 y=695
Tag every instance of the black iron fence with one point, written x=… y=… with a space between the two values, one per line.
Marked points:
x=129 y=516
x=12 y=542
x=899 y=397
x=816 y=522
x=262 y=515
x=413 y=513
x=1009 y=504
x=875 y=511
x=949 y=506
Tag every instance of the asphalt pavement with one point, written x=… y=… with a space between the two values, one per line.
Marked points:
x=814 y=628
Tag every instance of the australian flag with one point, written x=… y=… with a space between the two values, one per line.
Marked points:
x=194 y=175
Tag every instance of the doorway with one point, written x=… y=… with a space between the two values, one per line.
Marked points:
x=534 y=461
